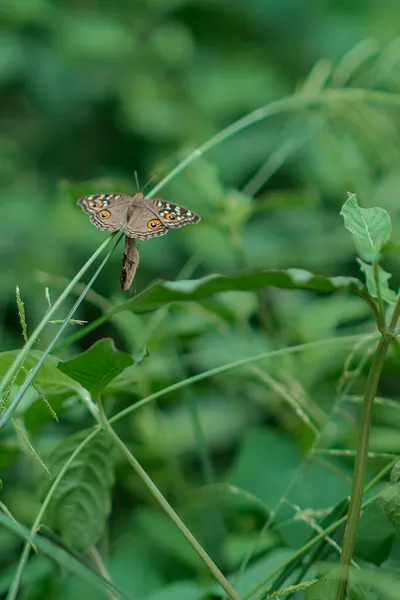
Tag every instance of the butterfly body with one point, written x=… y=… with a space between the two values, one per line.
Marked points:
x=136 y=217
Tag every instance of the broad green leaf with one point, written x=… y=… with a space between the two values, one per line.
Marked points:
x=387 y=294
x=81 y=503
x=390 y=498
x=48 y=377
x=97 y=367
x=374 y=536
x=370 y=227
x=164 y=292
x=325 y=588
x=253 y=471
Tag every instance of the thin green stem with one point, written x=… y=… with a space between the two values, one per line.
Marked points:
x=35 y=334
x=362 y=451
x=379 y=318
x=158 y=496
x=234 y=365
x=98 y=561
x=291 y=103
x=375 y=267
x=18 y=397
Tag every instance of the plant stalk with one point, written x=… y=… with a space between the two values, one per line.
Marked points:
x=362 y=451
x=157 y=495
x=18 y=397
x=35 y=334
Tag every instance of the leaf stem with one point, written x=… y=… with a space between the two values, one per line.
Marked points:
x=362 y=450
x=103 y=571
x=297 y=101
x=158 y=496
x=375 y=268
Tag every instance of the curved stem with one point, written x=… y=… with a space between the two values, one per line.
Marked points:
x=35 y=334
x=295 y=102
x=18 y=397
x=158 y=496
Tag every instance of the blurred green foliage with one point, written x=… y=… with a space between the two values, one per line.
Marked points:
x=90 y=93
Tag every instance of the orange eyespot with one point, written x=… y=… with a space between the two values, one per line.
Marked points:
x=171 y=216
x=96 y=204
x=105 y=214
x=154 y=224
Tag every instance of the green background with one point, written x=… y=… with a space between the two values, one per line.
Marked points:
x=92 y=92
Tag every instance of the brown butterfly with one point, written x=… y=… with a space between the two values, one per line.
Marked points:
x=135 y=216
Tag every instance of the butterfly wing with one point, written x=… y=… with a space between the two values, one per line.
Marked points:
x=152 y=218
x=173 y=215
x=107 y=211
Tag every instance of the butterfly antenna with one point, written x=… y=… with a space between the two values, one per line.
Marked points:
x=148 y=183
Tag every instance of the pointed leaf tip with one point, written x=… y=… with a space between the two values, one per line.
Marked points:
x=370 y=227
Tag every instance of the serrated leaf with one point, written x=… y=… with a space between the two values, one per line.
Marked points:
x=98 y=366
x=390 y=498
x=81 y=502
x=370 y=227
x=164 y=292
x=387 y=294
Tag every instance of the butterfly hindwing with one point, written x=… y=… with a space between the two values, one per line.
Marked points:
x=143 y=222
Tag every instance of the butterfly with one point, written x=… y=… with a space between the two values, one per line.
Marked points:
x=136 y=217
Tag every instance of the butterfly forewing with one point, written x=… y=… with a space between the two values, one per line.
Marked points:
x=173 y=215
x=107 y=211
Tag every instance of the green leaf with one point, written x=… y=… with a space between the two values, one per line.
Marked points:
x=81 y=503
x=164 y=292
x=255 y=572
x=318 y=486
x=325 y=588
x=370 y=227
x=374 y=536
x=98 y=366
x=387 y=294
x=390 y=498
